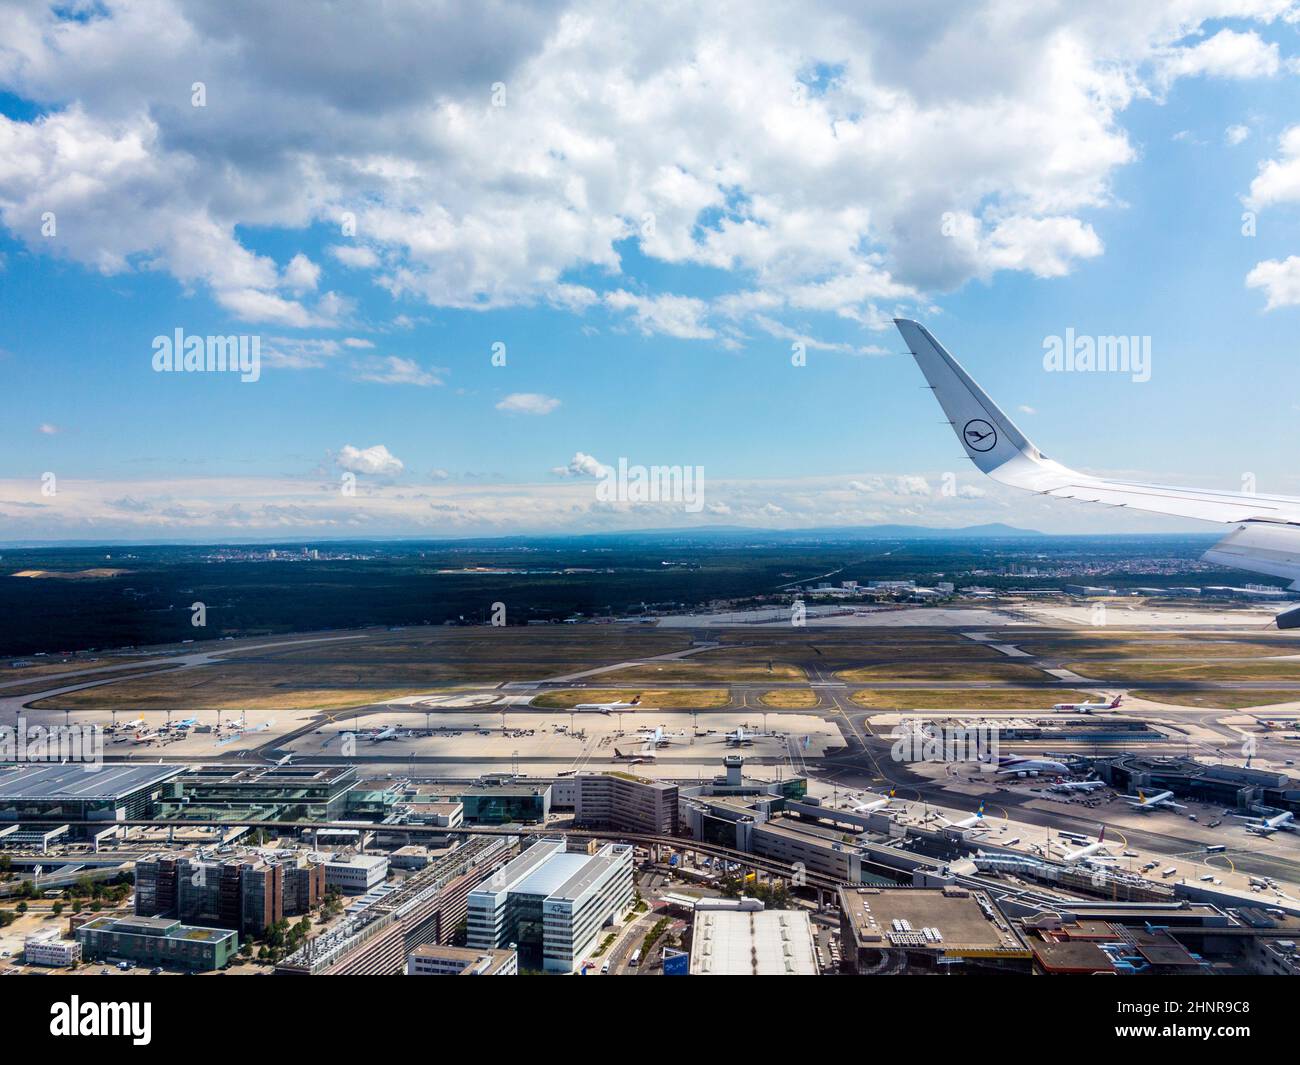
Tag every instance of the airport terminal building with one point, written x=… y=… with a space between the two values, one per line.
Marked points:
x=552 y=903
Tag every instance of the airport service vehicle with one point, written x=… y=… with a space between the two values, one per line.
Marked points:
x=1087 y=708
x=1266 y=537
x=1146 y=803
x=1284 y=820
x=607 y=708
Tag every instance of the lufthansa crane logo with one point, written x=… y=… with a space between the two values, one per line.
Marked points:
x=979 y=435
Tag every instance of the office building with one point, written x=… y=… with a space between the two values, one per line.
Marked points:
x=625 y=802
x=356 y=874
x=432 y=960
x=157 y=941
x=551 y=903
x=47 y=948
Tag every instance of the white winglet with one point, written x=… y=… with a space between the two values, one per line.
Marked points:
x=1267 y=542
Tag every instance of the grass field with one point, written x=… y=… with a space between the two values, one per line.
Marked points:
x=259 y=686
x=790 y=699
x=1220 y=700
x=674 y=699
x=941 y=671
x=698 y=668
x=1133 y=646
x=978 y=699
x=1192 y=670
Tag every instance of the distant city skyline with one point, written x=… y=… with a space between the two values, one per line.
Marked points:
x=488 y=258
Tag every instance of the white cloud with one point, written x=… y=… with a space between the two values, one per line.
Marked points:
x=911 y=485
x=1280 y=281
x=394 y=370
x=1278 y=180
x=1024 y=408
x=677 y=129
x=301 y=275
x=376 y=459
x=582 y=465
x=356 y=256
x=1234 y=135
x=676 y=316
x=528 y=403
x=1228 y=54
x=49 y=429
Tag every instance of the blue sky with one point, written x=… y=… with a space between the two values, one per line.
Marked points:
x=646 y=229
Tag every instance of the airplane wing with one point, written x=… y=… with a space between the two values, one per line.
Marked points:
x=1267 y=539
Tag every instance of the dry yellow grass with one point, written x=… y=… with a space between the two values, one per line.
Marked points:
x=672 y=699
x=790 y=699
x=974 y=699
x=940 y=671
x=1220 y=700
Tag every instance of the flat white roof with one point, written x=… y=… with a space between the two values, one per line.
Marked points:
x=760 y=943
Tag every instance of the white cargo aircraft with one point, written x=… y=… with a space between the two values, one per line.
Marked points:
x=1267 y=534
x=1266 y=826
x=1147 y=803
x=606 y=708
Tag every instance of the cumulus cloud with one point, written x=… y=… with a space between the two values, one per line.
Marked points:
x=911 y=485
x=1279 y=280
x=528 y=403
x=1228 y=54
x=376 y=459
x=1234 y=135
x=711 y=142
x=582 y=465
x=1278 y=180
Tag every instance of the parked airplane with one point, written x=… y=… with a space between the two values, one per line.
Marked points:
x=634 y=759
x=1077 y=785
x=607 y=708
x=1087 y=708
x=1014 y=765
x=1087 y=851
x=973 y=821
x=127 y=726
x=181 y=726
x=147 y=736
x=389 y=732
x=1266 y=537
x=1266 y=826
x=740 y=738
x=1147 y=803
x=656 y=737
x=867 y=806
